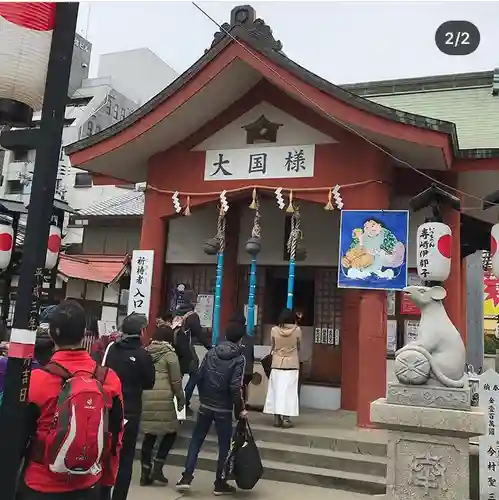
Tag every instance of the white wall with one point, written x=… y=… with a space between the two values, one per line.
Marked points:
x=139 y=74
x=320 y=232
x=292 y=131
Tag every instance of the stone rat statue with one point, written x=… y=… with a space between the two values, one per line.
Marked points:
x=438 y=356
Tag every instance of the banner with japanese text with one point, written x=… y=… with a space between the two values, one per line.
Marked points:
x=260 y=162
x=489 y=443
x=139 y=297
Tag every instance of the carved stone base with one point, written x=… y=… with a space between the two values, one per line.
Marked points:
x=429 y=396
x=428 y=450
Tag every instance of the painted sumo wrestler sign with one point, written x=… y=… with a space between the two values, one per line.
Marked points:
x=268 y=162
x=373 y=249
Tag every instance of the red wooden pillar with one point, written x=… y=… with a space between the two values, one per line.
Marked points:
x=153 y=236
x=349 y=349
x=363 y=377
x=453 y=284
x=230 y=274
x=371 y=366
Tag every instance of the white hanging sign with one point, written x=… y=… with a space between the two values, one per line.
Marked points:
x=139 y=297
x=434 y=245
x=264 y=162
x=489 y=443
x=204 y=308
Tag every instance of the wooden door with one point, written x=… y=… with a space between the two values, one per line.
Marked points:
x=326 y=353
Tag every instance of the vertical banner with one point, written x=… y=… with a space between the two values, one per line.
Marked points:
x=489 y=443
x=139 y=298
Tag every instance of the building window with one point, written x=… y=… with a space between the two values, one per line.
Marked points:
x=123 y=113
x=97 y=129
x=21 y=155
x=108 y=106
x=83 y=179
x=14 y=187
x=90 y=128
x=116 y=111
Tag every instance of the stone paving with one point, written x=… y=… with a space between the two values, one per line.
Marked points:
x=265 y=490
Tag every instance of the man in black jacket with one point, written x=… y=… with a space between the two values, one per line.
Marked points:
x=135 y=369
x=184 y=346
x=248 y=350
x=220 y=394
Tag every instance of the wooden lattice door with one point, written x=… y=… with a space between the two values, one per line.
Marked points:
x=326 y=357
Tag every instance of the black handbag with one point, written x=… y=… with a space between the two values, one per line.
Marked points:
x=267 y=364
x=243 y=462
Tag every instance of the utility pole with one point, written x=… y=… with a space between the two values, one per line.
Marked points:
x=40 y=210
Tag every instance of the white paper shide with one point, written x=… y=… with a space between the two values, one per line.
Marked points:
x=489 y=443
x=139 y=297
x=260 y=162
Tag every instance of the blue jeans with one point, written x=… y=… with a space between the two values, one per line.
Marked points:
x=223 y=426
x=189 y=388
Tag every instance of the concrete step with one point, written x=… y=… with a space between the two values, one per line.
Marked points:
x=340 y=440
x=310 y=457
x=346 y=459
x=296 y=473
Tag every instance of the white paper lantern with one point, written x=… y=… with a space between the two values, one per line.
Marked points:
x=6 y=245
x=434 y=247
x=25 y=38
x=494 y=245
x=53 y=246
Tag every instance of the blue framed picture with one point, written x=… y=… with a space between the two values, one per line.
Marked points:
x=373 y=249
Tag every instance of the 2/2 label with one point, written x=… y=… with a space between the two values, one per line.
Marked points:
x=457 y=38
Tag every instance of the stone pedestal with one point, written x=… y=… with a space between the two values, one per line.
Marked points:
x=428 y=450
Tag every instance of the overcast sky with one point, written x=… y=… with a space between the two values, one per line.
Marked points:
x=344 y=42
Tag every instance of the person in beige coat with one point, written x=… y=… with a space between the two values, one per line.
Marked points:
x=159 y=415
x=282 y=392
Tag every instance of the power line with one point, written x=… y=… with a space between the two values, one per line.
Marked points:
x=340 y=122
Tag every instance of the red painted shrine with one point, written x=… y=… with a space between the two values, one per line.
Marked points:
x=167 y=142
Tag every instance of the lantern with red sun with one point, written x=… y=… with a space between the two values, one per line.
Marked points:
x=6 y=245
x=53 y=246
x=494 y=255
x=434 y=244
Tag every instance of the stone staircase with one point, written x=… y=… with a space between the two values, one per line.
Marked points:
x=313 y=453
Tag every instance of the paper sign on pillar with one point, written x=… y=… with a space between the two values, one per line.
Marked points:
x=139 y=298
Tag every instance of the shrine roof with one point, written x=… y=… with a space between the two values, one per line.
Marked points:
x=248 y=48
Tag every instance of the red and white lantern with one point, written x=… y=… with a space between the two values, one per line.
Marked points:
x=434 y=246
x=494 y=245
x=53 y=247
x=6 y=245
x=25 y=38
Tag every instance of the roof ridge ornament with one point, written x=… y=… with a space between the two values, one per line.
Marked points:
x=244 y=18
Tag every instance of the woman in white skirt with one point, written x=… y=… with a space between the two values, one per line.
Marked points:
x=282 y=393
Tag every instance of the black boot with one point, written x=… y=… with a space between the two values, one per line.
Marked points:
x=145 y=475
x=277 y=421
x=157 y=472
x=286 y=423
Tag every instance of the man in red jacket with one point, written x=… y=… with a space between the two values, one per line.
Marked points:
x=46 y=476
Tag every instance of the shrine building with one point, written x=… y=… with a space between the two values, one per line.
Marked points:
x=246 y=117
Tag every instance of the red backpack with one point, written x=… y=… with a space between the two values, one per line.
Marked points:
x=75 y=442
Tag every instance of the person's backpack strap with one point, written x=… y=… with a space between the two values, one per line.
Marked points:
x=106 y=352
x=100 y=373
x=58 y=370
